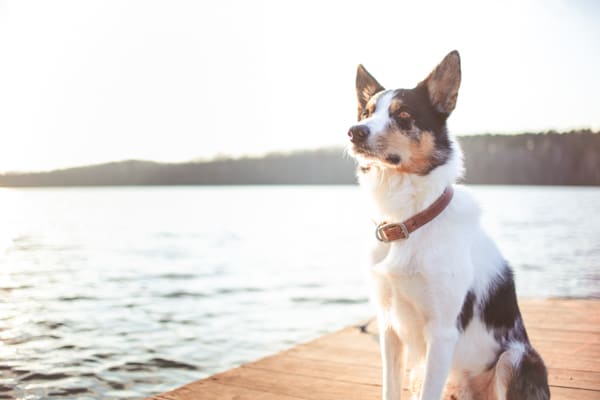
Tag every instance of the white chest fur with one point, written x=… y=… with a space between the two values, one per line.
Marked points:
x=419 y=284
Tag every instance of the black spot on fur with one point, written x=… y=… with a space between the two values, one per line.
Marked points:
x=466 y=314
x=530 y=379
x=501 y=313
x=416 y=102
x=501 y=309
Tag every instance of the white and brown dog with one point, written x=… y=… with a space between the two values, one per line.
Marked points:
x=445 y=296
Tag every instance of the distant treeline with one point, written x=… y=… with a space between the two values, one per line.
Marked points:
x=551 y=158
x=534 y=159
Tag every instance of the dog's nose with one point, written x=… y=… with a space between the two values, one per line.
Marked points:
x=358 y=133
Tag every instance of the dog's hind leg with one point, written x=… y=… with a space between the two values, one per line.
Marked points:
x=393 y=361
x=519 y=374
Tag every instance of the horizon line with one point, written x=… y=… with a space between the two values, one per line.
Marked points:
x=282 y=152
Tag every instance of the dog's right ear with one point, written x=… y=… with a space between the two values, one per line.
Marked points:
x=366 y=87
x=443 y=82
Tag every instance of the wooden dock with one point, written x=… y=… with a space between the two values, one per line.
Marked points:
x=346 y=365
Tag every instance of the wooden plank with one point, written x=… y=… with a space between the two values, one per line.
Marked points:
x=561 y=336
x=568 y=378
x=560 y=393
x=211 y=390
x=346 y=364
x=305 y=387
x=346 y=356
x=585 y=350
x=333 y=370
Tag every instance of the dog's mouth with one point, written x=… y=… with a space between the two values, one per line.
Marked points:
x=361 y=149
x=364 y=152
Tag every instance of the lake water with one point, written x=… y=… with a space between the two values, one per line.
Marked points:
x=126 y=292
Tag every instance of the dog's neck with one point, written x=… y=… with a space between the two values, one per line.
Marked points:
x=396 y=196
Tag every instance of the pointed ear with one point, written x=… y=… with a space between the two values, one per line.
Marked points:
x=443 y=83
x=366 y=87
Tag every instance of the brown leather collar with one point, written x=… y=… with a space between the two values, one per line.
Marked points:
x=388 y=232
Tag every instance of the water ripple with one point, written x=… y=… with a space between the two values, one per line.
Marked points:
x=38 y=376
x=152 y=364
x=182 y=293
x=330 y=300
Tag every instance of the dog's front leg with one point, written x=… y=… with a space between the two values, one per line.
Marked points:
x=440 y=349
x=392 y=360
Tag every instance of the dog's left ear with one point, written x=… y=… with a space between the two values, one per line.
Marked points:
x=443 y=83
x=366 y=87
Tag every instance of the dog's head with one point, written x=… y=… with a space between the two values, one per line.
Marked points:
x=405 y=129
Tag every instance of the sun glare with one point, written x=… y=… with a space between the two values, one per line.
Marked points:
x=178 y=81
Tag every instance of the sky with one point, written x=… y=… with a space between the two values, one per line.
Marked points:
x=85 y=82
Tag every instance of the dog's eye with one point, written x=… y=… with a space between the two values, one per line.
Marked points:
x=364 y=114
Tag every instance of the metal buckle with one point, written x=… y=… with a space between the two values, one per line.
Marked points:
x=380 y=235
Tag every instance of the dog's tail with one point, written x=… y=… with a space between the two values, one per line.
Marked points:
x=530 y=378
x=521 y=375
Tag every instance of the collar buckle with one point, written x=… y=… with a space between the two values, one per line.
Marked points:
x=380 y=231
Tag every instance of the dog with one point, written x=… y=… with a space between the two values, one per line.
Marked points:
x=445 y=297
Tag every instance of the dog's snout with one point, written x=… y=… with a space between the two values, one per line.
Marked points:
x=358 y=133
